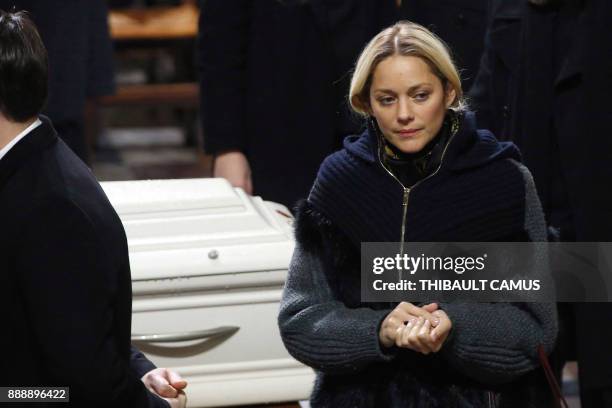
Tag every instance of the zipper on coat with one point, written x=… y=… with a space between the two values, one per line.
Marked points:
x=407 y=190
x=404 y=212
x=405 y=198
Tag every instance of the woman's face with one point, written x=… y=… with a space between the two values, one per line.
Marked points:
x=408 y=102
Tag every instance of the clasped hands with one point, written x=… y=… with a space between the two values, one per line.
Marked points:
x=422 y=329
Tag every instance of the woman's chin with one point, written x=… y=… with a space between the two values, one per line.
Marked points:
x=409 y=146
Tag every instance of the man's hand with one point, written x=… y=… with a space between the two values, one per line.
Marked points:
x=234 y=167
x=404 y=312
x=168 y=385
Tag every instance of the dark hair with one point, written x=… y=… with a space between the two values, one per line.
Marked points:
x=23 y=68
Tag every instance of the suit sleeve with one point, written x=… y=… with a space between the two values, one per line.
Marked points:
x=69 y=294
x=222 y=61
x=139 y=363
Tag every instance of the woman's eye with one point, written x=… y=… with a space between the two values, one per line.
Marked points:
x=386 y=101
x=421 y=96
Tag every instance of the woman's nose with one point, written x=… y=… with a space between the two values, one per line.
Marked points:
x=404 y=112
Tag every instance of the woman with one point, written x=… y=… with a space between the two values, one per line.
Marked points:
x=420 y=172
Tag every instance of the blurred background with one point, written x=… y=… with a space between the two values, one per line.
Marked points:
x=150 y=128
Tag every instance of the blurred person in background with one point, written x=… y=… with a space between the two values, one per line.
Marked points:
x=460 y=23
x=77 y=38
x=274 y=75
x=545 y=82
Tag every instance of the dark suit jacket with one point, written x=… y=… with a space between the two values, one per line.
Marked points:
x=274 y=79
x=65 y=283
x=545 y=83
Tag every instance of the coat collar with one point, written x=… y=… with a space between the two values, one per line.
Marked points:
x=470 y=147
x=36 y=141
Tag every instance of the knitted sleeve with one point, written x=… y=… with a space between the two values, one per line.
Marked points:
x=496 y=342
x=318 y=329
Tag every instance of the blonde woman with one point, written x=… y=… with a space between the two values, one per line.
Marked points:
x=420 y=172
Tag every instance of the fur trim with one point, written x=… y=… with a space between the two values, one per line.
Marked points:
x=317 y=233
x=309 y=226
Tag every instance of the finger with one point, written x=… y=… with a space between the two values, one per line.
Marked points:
x=418 y=311
x=399 y=330
x=445 y=323
x=424 y=338
x=162 y=386
x=412 y=337
x=402 y=335
x=430 y=307
x=440 y=333
x=176 y=380
x=407 y=307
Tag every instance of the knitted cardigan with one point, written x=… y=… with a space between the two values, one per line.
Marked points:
x=480 y=193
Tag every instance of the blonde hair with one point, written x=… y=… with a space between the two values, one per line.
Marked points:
x=407 y=39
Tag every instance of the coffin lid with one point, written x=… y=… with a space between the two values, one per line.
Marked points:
x=197 y=227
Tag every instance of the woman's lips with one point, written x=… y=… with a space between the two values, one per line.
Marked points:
x=407 y=132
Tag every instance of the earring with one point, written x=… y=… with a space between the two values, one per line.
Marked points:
x=454 y=119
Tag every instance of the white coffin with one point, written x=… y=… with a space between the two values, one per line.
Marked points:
x=208 y=265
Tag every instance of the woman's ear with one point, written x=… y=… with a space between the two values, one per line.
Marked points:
x=362 y=105
x=450 y=95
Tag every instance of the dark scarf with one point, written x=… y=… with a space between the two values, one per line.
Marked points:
x=461 y=202
x=410 y=168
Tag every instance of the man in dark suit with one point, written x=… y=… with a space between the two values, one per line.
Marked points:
x=65 y=284
x=545 y=83
x=274 y=79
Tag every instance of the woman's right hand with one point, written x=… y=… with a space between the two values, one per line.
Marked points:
x=234 y=167
x=395 y=322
